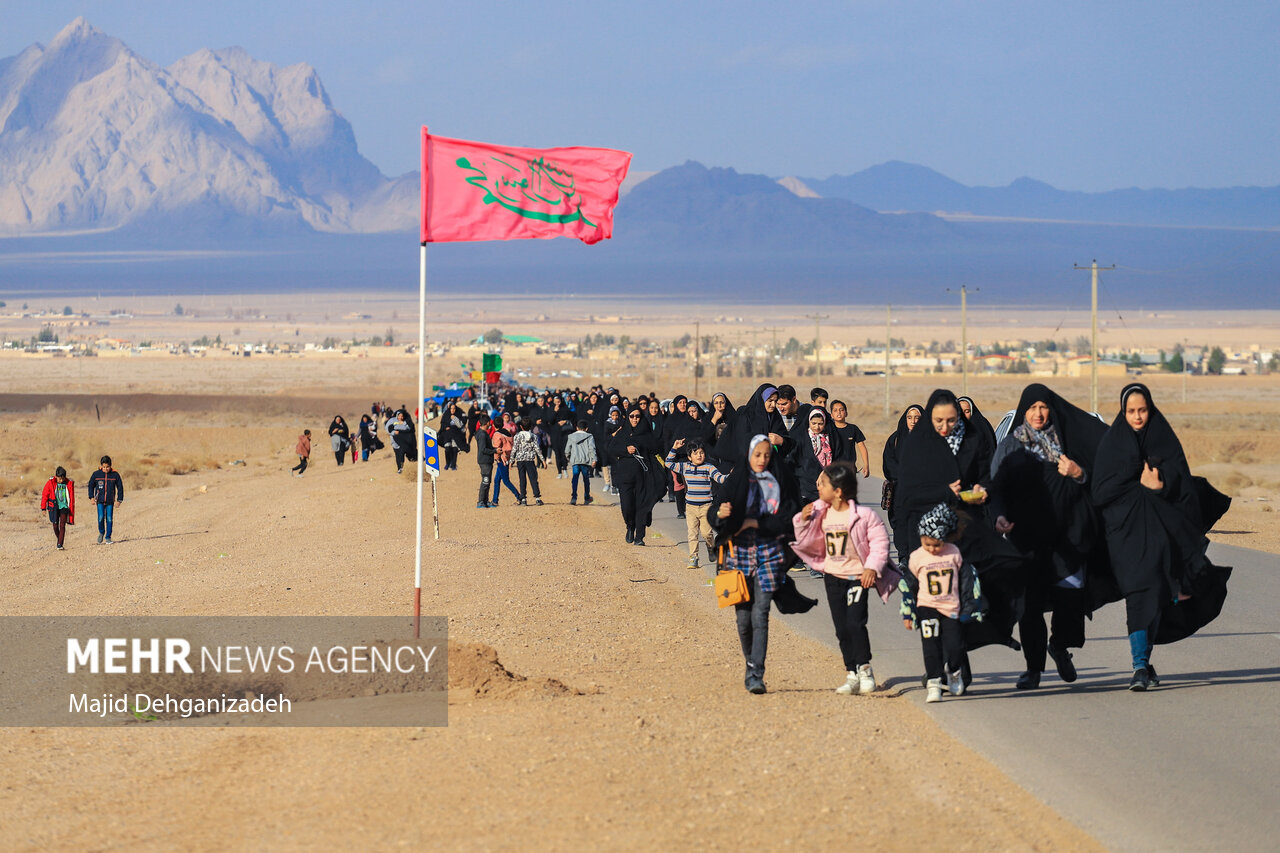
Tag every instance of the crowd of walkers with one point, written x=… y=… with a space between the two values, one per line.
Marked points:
x=1024 y=537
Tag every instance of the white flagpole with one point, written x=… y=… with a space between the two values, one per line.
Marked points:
x=421 y=420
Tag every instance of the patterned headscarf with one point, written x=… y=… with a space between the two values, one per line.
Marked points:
x=939 y=522
x=1043 y=444
x=956 y=436
x=821 y=444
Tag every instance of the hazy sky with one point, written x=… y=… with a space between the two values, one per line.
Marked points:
x=1083 y=95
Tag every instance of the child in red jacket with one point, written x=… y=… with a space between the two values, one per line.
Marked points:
x=59 y=500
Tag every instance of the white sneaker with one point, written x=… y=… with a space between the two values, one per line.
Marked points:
x=934 y=693
x=866 y=679
x=955 y=683
x=850 y=685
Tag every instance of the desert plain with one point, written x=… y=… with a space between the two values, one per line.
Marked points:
x=595 y=698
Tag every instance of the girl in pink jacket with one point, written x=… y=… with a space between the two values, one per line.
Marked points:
x=850 y=546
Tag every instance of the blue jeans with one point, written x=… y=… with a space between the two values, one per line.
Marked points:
x=502 y=474
x=106 y=515
x=583 y=471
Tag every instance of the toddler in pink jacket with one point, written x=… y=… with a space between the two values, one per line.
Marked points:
x=850 y=546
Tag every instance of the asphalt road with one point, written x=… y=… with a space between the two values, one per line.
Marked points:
x=1191 y=765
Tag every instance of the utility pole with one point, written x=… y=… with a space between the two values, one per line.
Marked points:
x=697 y=340
x=817 y=346
x=774 y=352
x=888 y=368
x=1093 y=359
x=964 y=337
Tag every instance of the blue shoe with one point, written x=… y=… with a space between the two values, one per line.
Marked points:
x=482 y=505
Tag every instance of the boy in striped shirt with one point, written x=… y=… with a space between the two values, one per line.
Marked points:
x=698 y=478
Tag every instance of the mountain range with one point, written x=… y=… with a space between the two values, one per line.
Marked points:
x=93 y=136
x=222 y=172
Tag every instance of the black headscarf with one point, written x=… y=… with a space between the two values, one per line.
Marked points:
x=681 y=424
x=977 y=420
x=889 y=460
x=338 y=426
x=641 y=468
x=709 y=426
x=1156 y=538
x=751 y=419
x=926 y=468
x=1053 y=516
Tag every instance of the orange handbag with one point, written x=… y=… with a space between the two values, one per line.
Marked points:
x=730 y=584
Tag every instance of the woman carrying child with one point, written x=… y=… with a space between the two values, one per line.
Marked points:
x=752 y=516
x=849 y=545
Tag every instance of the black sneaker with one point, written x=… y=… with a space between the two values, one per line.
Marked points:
x=573 y=501
x=755 y=684
x=1152 y=677
x=679 y=515
x=1028 y=680
x=588 y=500
x=1141 y=680
x=537 y=501
x=638 y=542
x=1062 y=658
x=631 y=536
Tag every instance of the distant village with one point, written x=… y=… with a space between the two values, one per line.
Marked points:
x=66 y=333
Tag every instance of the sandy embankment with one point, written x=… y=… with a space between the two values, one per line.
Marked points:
x=654 y=745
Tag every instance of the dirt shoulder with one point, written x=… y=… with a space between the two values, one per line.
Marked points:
x=651 y=744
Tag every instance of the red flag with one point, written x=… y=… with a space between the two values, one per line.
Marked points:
x=477 y=191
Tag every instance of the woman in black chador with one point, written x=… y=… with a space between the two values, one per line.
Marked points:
x=889 y=460
x=1040 y=501
x=640 y=479
x=1156 y=516
x=942 y=457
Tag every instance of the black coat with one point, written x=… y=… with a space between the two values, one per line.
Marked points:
x=750 y=420
x=736 y=491
x=926 y=469
x=1156 y=538
x=1054 y=520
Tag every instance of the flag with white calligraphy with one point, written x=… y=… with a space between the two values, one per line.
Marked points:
x=478 y=191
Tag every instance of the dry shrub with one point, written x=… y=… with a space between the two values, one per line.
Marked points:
x=1239 y=450
x=18 y=487
x=1235 y=482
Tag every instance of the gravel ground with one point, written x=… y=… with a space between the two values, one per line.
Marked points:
x=595 y=702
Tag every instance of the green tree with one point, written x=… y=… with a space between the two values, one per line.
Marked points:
x=177 y=309
x=66 y=311
x=1217 y=360
x=389 y=336
x=1175 y=364
x=493 y=336
x=47 y=335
